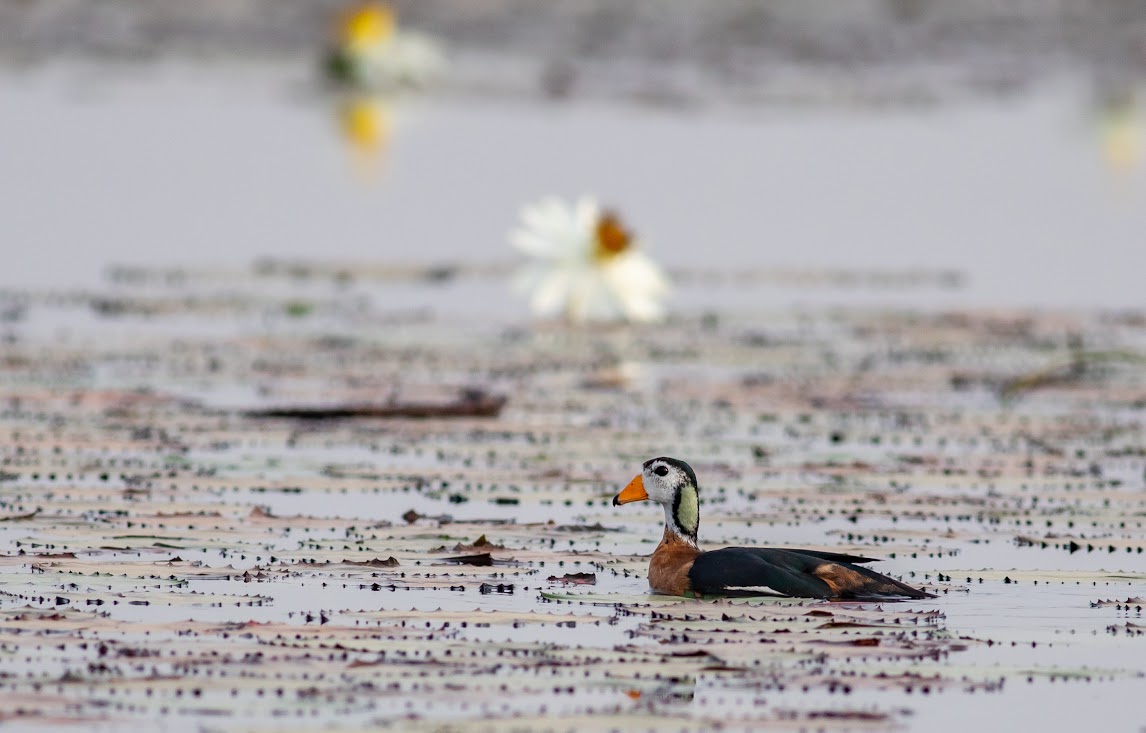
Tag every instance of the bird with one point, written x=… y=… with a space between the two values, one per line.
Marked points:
x=679 y=567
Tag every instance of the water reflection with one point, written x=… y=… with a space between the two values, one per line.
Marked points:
x=365 y=123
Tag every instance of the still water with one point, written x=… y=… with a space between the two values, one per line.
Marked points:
x=219 y=165
x=1032 y=197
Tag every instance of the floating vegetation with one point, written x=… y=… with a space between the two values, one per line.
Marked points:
x=1080 y=365
x=471 y=403
x=225 y=514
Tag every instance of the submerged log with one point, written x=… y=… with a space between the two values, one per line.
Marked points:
x=471 y=403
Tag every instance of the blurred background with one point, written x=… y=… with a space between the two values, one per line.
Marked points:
x=992 y=151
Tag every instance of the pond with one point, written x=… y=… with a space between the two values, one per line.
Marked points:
x=912 y=332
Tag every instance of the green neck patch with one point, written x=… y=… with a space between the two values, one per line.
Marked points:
x=686 y=512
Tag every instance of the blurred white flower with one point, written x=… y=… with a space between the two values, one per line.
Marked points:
x=585 y=265
x=1121 y=129
x=370 y=52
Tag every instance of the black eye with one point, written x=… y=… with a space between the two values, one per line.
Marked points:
x=661 y=471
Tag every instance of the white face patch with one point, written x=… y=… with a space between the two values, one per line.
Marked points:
x=684 y=517
x=660 y=489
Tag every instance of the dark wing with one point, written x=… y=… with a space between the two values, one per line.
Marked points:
x=830 y=556
x=748 y=567
x=798 y=573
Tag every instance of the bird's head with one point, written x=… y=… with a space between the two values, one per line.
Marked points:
x=672 y=484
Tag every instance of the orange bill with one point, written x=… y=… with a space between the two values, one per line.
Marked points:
x=635 y=491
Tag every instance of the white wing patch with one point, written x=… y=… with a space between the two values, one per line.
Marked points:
x=755 y=589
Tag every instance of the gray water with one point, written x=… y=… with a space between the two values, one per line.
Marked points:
x=213 y=167
x=216 y=166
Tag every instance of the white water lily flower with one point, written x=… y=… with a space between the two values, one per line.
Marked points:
x=371 y=52
x=585 y=265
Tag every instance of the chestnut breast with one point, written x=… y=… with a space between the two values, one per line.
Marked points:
x=670 y=563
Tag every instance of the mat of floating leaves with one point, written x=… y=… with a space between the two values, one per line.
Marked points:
x=208 y=515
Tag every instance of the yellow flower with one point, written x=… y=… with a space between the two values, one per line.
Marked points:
x=371 y=52
x=366 y=27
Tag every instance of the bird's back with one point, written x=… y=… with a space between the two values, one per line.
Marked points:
x=799 y=573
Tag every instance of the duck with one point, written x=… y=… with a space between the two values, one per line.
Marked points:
x=679 y=567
